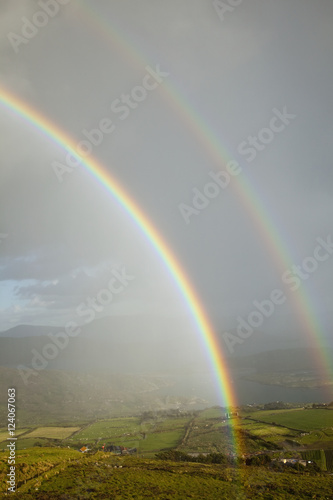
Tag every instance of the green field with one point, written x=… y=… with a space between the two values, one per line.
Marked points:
x=211 y=413
x=264 y=413
x=159 y=441
x=202 y=432
x=314 y=427
x=145 y=435
x=22 y=444
x=267 y=432
x=4 y=433
x=52 y=432
x=164 y=434
x=322 y=439
x=110 y=429
x=41 y=435
x=211 y=441
x=306 y=420
x=208 y=432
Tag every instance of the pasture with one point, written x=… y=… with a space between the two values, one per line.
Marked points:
x=159 y=441
x=211 y=413
x=146 y=435
x=305 y=420
x=4 y=433
x=111 y=429
x=52 y=432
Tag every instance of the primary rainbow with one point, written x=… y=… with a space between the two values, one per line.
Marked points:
x=210 y=340
x=280 y=252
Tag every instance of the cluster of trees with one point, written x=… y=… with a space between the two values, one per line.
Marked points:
x=262 y=460
x=258 y=460
x=277 y=405
x=211 y=458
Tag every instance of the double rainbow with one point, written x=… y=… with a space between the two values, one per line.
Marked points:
x=260 y=214
x=135 y=50
x=210 y=341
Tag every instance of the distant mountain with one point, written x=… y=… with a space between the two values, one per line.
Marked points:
x=280 y=360
x=293 y=368
x=124 y=327
x=141 y=345
x=261 y=341
x=65 y=396
x=115 y=344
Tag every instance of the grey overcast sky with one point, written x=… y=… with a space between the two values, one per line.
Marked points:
x=255 y=80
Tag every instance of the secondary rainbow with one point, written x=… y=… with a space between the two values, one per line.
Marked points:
x=55 y=134
x=261 y=215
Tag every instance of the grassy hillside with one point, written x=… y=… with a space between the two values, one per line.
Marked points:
x=65 y=474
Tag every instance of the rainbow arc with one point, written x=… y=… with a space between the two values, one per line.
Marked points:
x=104 y=178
